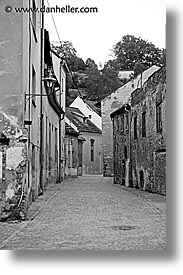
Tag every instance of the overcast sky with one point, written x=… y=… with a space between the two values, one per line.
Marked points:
x=94 y=34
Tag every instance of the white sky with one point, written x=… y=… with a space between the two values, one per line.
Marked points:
x=94 y=34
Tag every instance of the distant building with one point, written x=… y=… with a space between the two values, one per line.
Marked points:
x=140 y=137
x=73 y=150
x=121 y=145
x=88 y=110
x=125 y=75
x=108 y=105
x=90 y=134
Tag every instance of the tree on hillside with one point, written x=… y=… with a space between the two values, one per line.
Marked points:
x=67 y=49
x=90 y=63
x=132 y=53
x=100 y=83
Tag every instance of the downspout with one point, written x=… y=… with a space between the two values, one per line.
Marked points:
x=130 y=164
x=59 y=138
x=28 y=145
x=129 y=145
x=41 y=101
x=114 y=156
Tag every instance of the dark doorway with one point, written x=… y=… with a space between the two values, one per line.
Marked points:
x=141 y=176
x=123 y=172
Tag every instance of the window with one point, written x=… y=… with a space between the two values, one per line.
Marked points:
x=73 y=159
x=125 y=153
x=69 y=154
x=144 y=124
x=56 y=145
x=135 y=127
x=33 y=85
x=159 y=118
x=62 y=86
x=50 y=149
x=33 y=161
x=122 y=123
x=92 y=149
x=126 y=122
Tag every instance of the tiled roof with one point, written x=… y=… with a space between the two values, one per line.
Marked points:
x=91 y=104
x=70 y=130
x=73 y=115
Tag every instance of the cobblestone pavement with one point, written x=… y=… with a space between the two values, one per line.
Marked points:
x=90 y=213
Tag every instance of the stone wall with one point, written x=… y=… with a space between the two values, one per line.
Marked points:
x=148 y=153
x=121 y=147
x=108 y=106
x=16 y=202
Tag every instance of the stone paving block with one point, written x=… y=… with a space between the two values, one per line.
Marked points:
x=90 y=213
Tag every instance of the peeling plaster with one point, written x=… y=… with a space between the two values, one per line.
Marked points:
x=14 y=156
x=12 y=119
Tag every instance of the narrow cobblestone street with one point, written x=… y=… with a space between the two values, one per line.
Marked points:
x=90 y=212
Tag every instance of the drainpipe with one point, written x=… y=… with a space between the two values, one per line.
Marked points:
x=129 y=144
x=29 y=114
x=130 y=164
x=41 y=161
x=114 y=159
x=60 y=137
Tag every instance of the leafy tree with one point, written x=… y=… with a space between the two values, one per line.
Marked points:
x=90 y=63
x=100 y=83
x=67 y=49
x=132 y=53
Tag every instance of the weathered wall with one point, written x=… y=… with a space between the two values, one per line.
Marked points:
x=50 y=134
x=148 y=155
x=20 y=74
x=92 y=167
x=109 y=105
x=11 y=26
x=16 y=201
x=121 y=136
x=11 y=105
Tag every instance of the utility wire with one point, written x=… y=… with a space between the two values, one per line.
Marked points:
x=54 y=23
x=61 y=47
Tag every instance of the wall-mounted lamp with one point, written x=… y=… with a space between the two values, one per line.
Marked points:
x=50 y=83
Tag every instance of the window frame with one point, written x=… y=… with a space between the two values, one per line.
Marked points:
x=92 y=141
x=135 y=127
x=144 y=124
x=159 y=127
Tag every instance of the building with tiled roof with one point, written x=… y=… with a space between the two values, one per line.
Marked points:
x=89 y=110
x=90 y=161
x=83 y=122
